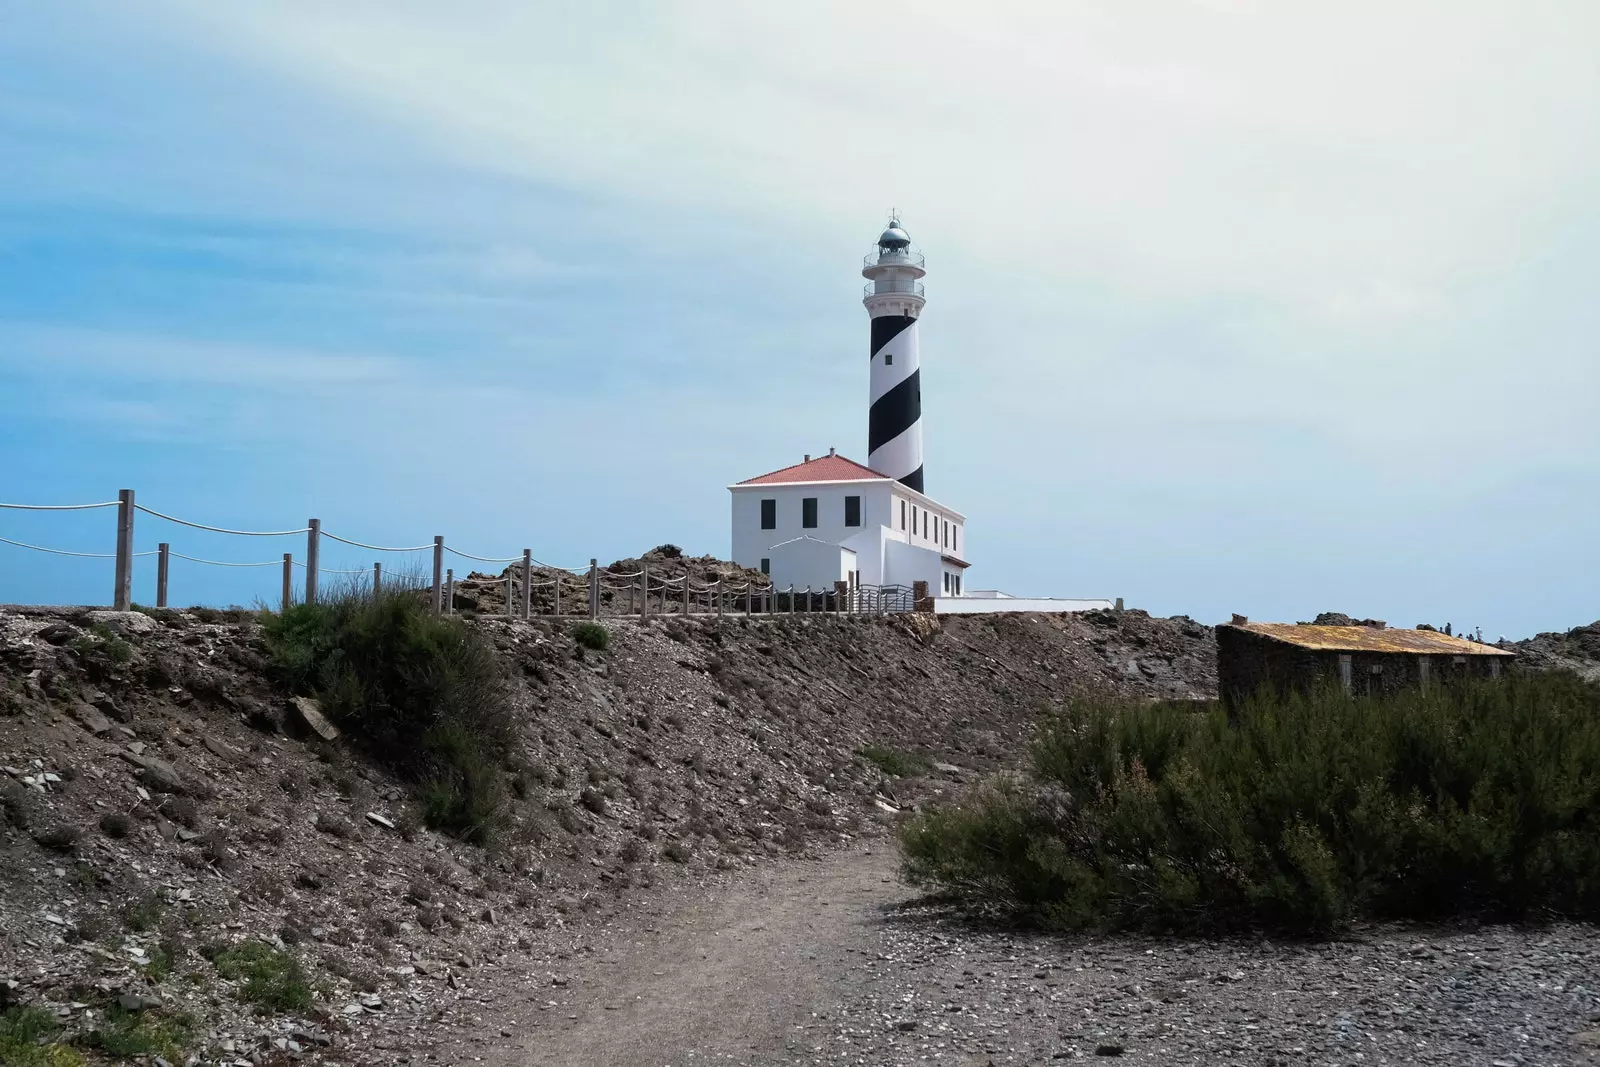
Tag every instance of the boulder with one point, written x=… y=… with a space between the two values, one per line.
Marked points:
x=310 y=712
x=90 y=718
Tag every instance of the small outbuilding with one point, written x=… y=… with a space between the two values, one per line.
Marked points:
x=1366 y=659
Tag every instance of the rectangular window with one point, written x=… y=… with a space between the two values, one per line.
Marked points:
x=958 y=585
x=888 y=359
x=852 y=511
x=947 y=583
x=955 y=540
x=947 y=533
x=808 y=512
x=902 y=514
x=766 y=565
x=769 y=514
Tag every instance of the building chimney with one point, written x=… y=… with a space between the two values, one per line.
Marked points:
x=832 y=452
x=808 y=457
x=1240 y=620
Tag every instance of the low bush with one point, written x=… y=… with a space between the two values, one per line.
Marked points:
x=27 y=1039
x=269 y=979
x=421 y=693
x=894 y=761
x=591 y=635
x=1300 y=814
x=100 y=642
x=142 y=1033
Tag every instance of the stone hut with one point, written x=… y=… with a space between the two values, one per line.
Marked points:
x=1365 y=659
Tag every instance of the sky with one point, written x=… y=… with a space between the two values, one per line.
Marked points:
x=1233 y=306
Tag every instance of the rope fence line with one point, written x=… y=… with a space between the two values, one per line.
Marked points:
x=324 y=570
x=220 y=529
x=66 y=552
x=673 y=595
x=373 y=548
x=480 y=559
x=218 y=562
x=58 y=507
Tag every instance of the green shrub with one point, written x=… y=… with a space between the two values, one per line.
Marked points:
x=142 y=1033
x=422 y=693
x=1301 y=814
x=27 y=1040
x=894 y=761
x=591 y=635
x=101 y=642
x=144 y=914
x=271 y=979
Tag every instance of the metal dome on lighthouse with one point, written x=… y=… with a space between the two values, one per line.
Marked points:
x=894 y=299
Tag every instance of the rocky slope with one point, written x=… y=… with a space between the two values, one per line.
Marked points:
x=1577 y=650
x=164 y=806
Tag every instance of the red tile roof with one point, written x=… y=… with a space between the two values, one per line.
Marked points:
x=821 y=469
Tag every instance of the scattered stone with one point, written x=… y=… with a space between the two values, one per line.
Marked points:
x=906 y=1025
x=219 y=749
x=1108 y=1048
x=90 y=718
x=374 y=817
x=124 y=623
x=310 y=711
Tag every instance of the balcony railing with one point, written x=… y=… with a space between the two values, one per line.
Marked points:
x=894 y=288
x=893 y=259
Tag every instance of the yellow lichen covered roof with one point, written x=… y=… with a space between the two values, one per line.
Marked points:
x=1370 y=639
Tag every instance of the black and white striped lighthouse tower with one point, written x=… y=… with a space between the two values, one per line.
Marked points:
x=894 y=299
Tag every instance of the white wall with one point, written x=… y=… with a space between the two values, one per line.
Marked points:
x=982 y=605
x=806 y=562
x=907 y=564
x=879 y=534
x=954 y=541
x=751 y=543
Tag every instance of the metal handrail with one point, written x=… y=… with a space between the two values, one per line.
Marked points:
x=902 y=259
x=896 y=289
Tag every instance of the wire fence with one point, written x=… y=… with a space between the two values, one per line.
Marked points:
x=533 y=589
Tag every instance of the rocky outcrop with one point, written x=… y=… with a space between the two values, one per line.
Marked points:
x=1577 y=650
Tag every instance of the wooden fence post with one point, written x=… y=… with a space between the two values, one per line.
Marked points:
x=511 y=607
x=163 y=561
x=594 y=588
x=527 y=584
x=288 y=580
x=313 y=557
x=450 y=591
x=438 y=574
x=644 y=586
x=377 y=577
x=559 y=576
x=686 y=592
x=719 y=598
x=122 y=594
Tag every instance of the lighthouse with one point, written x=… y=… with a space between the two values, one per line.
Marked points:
x=894 y=299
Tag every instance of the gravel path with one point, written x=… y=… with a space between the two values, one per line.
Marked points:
x=826 y=963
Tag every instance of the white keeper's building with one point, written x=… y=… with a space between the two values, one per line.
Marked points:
x=831 y=519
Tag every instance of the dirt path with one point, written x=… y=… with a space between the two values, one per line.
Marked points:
x=724 y=979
